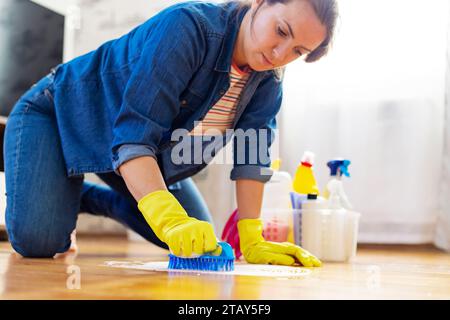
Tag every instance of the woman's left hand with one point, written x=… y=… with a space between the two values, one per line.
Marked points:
x=256 y=250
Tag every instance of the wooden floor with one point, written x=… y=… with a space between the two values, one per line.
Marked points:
x=378 y=272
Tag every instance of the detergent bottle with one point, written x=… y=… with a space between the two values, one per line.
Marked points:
x=306 y=192
x=276 y=190
x=304 y=180
x=338 y=168
x=276 y=209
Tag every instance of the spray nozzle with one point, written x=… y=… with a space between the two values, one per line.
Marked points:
x=344 y=169
x=339 y=167
x=308 y=157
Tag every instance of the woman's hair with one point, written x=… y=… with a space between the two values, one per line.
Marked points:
x=326 y=11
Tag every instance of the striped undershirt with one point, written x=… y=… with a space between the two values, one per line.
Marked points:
x=221 y=116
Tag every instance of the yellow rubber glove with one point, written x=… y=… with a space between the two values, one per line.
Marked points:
x=256 y=250
x=170 y=222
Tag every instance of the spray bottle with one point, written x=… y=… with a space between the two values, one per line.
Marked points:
x=338 y=168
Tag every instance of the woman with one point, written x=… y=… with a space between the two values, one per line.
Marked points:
x=113 y=112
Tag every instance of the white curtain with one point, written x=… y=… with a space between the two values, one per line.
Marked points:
x=442 y=237
x=378 y=99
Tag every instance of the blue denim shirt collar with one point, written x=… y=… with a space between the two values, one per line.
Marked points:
x=226 y=53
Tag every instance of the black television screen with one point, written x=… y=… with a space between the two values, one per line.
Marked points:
x=31 y=43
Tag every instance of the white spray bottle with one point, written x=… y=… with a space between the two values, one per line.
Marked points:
x=338 y=168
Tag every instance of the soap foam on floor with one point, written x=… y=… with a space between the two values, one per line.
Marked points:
x=241 y=269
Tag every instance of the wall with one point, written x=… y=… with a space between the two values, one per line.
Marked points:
x=377 y=99
x=442 y=237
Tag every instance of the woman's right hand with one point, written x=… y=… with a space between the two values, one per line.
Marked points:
x=170 y=222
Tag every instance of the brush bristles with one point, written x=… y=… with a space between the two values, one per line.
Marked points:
x=204 y=263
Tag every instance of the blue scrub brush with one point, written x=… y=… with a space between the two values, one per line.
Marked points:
x=205 y=262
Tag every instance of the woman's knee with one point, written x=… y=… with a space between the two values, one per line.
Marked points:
x=39 y=231
x=37 y=243
x=40 y=228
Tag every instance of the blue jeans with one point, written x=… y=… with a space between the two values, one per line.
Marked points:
x=43 y=203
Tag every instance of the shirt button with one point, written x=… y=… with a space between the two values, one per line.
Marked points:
x=222 y=92
x=183 y=102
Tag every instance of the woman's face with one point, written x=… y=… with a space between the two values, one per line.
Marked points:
x=280 y=34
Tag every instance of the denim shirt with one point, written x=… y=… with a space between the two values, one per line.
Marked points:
x=124 y=100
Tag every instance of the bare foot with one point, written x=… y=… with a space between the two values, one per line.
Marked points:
x=73 y=245
x=73 y=250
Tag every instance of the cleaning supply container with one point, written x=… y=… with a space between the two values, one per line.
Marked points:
x=329 y=228
x=278 y=224
x=296 y=200
x=331 y=235
x=276 y=209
